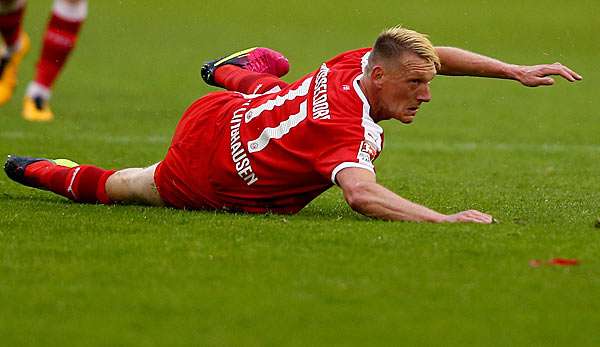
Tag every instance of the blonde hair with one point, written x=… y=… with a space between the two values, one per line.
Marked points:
x=395 y=41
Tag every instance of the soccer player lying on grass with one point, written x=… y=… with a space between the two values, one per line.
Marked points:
x=265 y=145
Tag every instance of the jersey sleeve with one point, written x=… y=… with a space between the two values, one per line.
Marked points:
x=352 y=138
x=351 y=146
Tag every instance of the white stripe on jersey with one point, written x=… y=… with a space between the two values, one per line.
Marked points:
x=372 y=130
x=276 y=133
x=254 y=95
x=279 y=100
x=364 y=61
x=346 y=165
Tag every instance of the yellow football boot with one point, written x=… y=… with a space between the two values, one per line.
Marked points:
x=37 y=110
x=8 y=74
x=65 y=162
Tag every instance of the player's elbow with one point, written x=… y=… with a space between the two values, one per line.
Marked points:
x=360 y=196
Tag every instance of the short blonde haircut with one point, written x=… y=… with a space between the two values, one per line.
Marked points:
x=395 y=41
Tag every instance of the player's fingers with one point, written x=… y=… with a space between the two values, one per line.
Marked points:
x=485 y=219
x=476 y=220
x=557 y=69
x=566 y=74
x=474 y=216
x=573 y=73
x=481 y=217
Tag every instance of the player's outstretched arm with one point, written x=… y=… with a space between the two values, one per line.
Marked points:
x=366 y=196
x=458 y=62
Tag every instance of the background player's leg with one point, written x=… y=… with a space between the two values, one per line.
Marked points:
x=134 y=186
x=59 y=40
x=16 y=44
x=11 y=19
x=238 y=79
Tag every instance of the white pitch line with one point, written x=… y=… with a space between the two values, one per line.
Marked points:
x=414 y=145
x=498 y=147
x=102 y=138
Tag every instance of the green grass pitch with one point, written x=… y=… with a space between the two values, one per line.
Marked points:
x=129 y=275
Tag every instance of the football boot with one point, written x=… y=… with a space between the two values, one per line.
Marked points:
x=37 y=109
x=256 y=59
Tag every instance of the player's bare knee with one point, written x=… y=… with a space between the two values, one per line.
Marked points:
x=118 y=186
x=147 y=187
x=71 y=9
x=134 y=186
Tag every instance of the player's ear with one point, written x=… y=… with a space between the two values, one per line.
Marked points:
x=377 y=74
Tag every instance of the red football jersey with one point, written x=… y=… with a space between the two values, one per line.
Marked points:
x=280 y=150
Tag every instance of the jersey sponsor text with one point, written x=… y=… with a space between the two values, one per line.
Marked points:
x=238 y=153
x=320 y=107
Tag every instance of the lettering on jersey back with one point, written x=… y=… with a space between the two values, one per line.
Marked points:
x=279 y=100
x=320 y=108
x=238 y=152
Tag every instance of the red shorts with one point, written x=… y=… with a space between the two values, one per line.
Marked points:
x=182 y=178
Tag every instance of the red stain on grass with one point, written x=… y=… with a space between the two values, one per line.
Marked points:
x=554 y=262
x=563 y=262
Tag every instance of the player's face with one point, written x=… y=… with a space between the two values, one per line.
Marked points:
x=404 y=87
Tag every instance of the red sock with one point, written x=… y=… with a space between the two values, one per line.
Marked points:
x=59 y=41
x=236 y=79
x=84 y=183
x=10 y=26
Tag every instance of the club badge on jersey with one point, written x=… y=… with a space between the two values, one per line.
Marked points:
x=367 y=152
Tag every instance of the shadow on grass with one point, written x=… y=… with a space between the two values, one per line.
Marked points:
x=313 y=212
x=33 y=199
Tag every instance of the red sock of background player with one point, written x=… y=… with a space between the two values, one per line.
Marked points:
x=236 y=79
x=10 y=25
x=59 y=40
x=84 y=183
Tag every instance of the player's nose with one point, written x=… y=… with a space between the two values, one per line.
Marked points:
x=424 y=94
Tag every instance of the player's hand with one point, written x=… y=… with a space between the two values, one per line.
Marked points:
x=538 y=75
x=470 y=216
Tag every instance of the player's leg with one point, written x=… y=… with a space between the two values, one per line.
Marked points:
x=16 y=45
x=59 y=40
x=85 y=183
x=134 y=186
x=251 y=71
